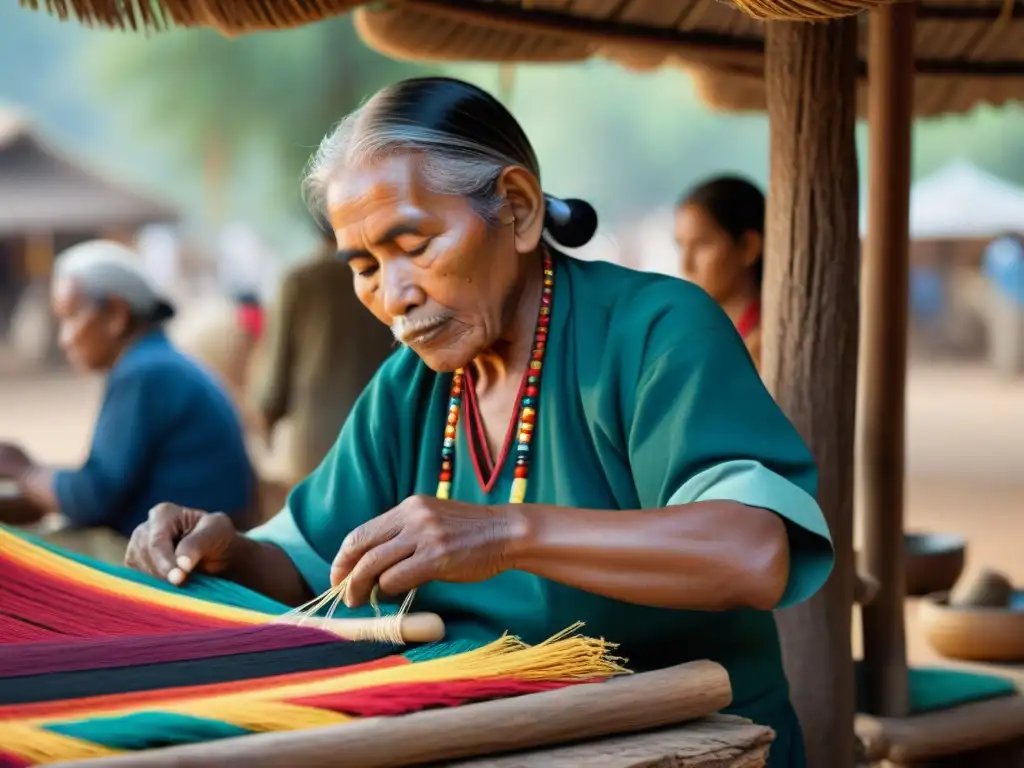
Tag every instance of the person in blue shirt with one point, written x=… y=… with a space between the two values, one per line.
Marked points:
x=166 y=431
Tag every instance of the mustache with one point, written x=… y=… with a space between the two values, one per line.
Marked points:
x=403 y=328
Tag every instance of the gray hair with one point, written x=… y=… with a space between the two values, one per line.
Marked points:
x=453 y=165
x=103 y=269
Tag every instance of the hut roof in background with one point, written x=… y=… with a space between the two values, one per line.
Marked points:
x=968 y=51
x=42 y=191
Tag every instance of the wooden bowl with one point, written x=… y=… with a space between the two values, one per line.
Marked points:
x=934 y=562
x=974 y=634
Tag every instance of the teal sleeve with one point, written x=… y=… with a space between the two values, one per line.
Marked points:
x=357 y=480
x=704 y=427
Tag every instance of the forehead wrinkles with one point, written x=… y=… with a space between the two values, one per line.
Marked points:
x=387 y=187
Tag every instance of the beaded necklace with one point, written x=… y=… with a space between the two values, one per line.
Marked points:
x=528 y=403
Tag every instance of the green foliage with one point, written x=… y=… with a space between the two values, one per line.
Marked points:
x=265 y=99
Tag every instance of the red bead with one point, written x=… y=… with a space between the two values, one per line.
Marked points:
x=543 y=320
x=545 y=300
x=531 y=391
x=446 y=477
x=522 y=472
x=538 y=354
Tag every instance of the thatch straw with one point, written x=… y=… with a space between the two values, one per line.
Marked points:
x=228 y=16
x=236 y=16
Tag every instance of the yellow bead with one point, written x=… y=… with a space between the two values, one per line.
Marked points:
x=535 y=365
x=444 y=490
x=528 y=412
x=518 y=493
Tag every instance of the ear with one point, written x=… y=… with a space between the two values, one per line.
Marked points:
x=119 y=317
x=753 y=244
x=524 y=209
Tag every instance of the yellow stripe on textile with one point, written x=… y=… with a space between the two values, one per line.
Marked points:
x=563 y=657
x=39 y=746
x=261 y=715
x=37 y=558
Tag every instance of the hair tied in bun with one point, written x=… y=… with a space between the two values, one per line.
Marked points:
x=570 y=223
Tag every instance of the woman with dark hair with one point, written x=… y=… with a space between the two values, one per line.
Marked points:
x=720 y=234
x=556 y=440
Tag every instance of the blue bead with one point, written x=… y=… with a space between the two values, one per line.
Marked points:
x=522 y=448
x=529 y=402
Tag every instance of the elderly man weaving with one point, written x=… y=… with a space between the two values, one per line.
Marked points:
x=166 y=430
x=558 y=440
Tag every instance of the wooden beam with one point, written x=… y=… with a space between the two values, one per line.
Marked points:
x=810 y=341
x=883 y=353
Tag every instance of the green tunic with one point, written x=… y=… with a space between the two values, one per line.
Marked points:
x=648 y=399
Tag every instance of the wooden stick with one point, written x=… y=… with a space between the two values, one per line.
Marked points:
x=413 y=627
x=624 y=705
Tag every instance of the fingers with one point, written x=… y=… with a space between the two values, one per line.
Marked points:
x=163 y=529
x=408 y=574
x=371 y=565
x=362 y=540
x=206 y=538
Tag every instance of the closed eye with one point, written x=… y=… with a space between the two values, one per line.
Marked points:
x=413 y=246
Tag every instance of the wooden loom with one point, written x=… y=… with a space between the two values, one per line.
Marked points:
x=129 y=671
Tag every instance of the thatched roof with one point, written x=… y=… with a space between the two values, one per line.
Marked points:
x=41 y=191
x=968 y=50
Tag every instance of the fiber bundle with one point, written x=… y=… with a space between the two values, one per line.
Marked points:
x=98 y=660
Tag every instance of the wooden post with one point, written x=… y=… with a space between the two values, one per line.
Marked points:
x=810 y=340
x=884 y=297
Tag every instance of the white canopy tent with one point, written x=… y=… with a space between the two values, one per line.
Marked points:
x=962 y=201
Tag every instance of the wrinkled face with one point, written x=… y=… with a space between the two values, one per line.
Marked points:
x=91 y=336
x=710 y=256
x=425 y=264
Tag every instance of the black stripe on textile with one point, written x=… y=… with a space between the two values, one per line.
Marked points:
x=222 y=669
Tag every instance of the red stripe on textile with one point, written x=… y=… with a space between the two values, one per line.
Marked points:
x=14 y=630
x=70 y=655
x=43 y=600
x=69 y=707
x=7 y=760
x=401 y=698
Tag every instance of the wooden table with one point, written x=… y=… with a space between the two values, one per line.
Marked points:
x=718 y=741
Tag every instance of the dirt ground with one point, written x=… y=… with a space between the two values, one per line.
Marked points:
x=965 y=454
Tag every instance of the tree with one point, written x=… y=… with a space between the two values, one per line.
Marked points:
x=216 y=105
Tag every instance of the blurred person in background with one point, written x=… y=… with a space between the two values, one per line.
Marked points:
x=719 y=229
x=166 y=429
x=320 y=349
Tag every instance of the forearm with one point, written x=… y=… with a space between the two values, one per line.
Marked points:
x=37 y=485
x=709 y=556
x=266 y=569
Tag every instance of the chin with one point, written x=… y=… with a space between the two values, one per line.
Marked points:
x=446 y=358
x=443 y=361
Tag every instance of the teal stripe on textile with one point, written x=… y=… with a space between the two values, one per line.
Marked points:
x=207 y=588
x=147 y=730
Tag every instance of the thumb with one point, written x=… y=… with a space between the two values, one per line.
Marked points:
x=199 y=543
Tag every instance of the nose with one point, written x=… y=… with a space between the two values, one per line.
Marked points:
x=402 y=294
